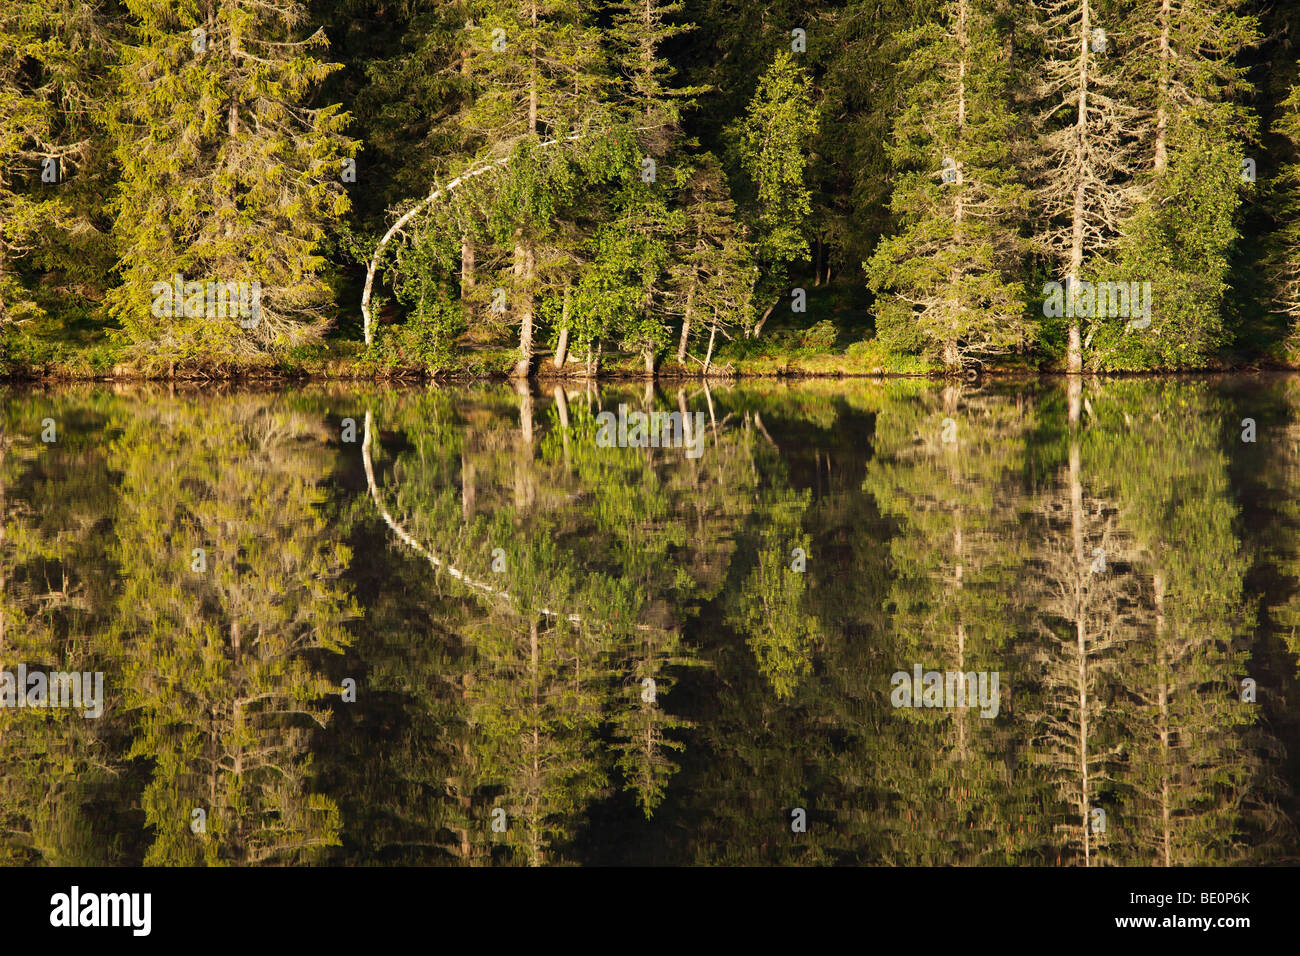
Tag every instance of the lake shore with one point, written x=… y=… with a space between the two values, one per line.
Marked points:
x=344 y=361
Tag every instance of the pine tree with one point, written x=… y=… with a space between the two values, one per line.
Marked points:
x=406 y=81
x=1079 y=610
x=645 y=214
x=954 y=558
x=948 y=275
x=62 y=785
x=228 y=174
x=413 y=110
x=1185 y=783
x=221 y=658
x=647 y=87
x=864 y=91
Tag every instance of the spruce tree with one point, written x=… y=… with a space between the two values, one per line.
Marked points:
x=713 y=276
x=645 y=213
x=542 y=77
x=946 y=280
x=229 y=174
x=52 y=167
x=772 y=145
x=1186 y=83
x=1283 y=264
x=1082 y=166
x=864 y=91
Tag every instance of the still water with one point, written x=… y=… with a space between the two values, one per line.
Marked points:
x=831 y=623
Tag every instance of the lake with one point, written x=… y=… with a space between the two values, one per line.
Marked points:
x=832 y=622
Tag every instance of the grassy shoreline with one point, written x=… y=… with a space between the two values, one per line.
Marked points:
x=350 y=362
x=836 y=341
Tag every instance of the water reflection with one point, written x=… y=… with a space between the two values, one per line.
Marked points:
x=451 y=626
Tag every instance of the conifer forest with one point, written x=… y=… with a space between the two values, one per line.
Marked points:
x=641 y=188
x=649 y=433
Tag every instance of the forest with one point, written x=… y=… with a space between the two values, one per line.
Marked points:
x=647 y=188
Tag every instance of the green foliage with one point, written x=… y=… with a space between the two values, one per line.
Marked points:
x=1181 y=241
x=947 y=281
x=427 y=339
x=569 y=147
x=688 y=687
x=52 y=58
x=218 y=663
x=1283 y=256
x=771 y=143
x=228 y=174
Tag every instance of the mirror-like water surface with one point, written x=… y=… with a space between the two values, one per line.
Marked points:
x=894 y=623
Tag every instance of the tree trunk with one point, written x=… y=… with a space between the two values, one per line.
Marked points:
x=232 y=131
x=468 y=487
x=708 y=356
x=524 y=263
x=525 y=488
x=466 y=266
x=951 y=354
x=687 y=423
x=4 y=647
x=524 y=254
x=1075 y=391
x=562 y=407
x=1162 y=102
x=1074 y=347
x=532 y=80
x=649 y=362
x=525 y=394
x=562 y=347
x=536 y=857
x=758 y=328
x=1166 y=813
x=686 y=325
